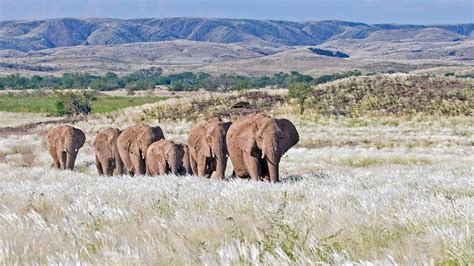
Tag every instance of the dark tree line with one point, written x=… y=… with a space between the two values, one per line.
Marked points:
x=151 y=77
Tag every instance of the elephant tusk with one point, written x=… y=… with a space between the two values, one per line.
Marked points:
x=213 y=154
x=227 y=155
x=263 y=155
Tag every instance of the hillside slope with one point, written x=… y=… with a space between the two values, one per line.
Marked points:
x=51 y=33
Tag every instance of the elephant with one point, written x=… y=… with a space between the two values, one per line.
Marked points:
x=107 y=157
x=208 y=148
x=256 y=144
x=132 y=145
x=164 y=157
x=63 y=144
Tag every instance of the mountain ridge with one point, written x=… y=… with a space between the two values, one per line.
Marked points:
x=30 y=35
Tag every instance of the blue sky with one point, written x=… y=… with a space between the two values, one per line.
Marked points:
x=369 y=11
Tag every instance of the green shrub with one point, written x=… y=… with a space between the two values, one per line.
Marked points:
x=75 y=103
x=300 y=91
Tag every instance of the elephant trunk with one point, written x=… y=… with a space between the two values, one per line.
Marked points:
x=272 y=155
x=219 y=150
x=71 y=159
x=273 y=172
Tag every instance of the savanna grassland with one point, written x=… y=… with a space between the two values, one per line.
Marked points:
x=388 y=187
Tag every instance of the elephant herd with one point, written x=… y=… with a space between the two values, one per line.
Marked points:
x=254 y=144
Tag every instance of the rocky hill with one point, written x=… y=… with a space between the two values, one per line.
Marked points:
x=51 y=33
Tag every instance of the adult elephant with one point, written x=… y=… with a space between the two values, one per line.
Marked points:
x=63 y=144
x=132 y=145
x=164 y=157
x=256 y=144
x=208 y=148
x=107 y=157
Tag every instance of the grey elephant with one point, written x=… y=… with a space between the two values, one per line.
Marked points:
x=256 y=144
x=107 y=157
x=63 y=144
x=132 y=145
x=208 y=148
x=165 y=157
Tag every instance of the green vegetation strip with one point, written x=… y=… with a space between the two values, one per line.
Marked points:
x=46 y=103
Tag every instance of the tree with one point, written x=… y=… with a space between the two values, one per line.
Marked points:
x=98 y=85
x=75 y=103
x=178 y=85
x=300 y=91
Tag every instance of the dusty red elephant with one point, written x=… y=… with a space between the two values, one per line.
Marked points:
x=63 y=144
x=107 y=157
x=208 y=148
x=256 y=144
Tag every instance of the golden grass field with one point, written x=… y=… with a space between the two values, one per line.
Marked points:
x=363 y=190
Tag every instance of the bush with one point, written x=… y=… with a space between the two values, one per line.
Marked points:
x=300 y=91
x=75 y=103
x=396 y=94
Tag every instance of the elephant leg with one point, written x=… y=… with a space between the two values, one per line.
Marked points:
x=109 y=168
x=138 y=165
x=162 y=169
x=71 y=159
x=127 y=164
x=62 y=156
x=142 y=166
x=119 y=168
x=98 y=165
x=193 y=164
x=253 y=167
x=211 y=166
x=147 y=169
x=201 y=165
x=54 y=154
x=265 y=170
x=56 y=165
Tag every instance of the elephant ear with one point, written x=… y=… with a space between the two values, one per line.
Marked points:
x=81 y=138
x=157 y=133
x=290 y=135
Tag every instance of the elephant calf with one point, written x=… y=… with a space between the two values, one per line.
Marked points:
x=63 y=144
x=107 y=158
x=164 y=157
x=256 y=144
